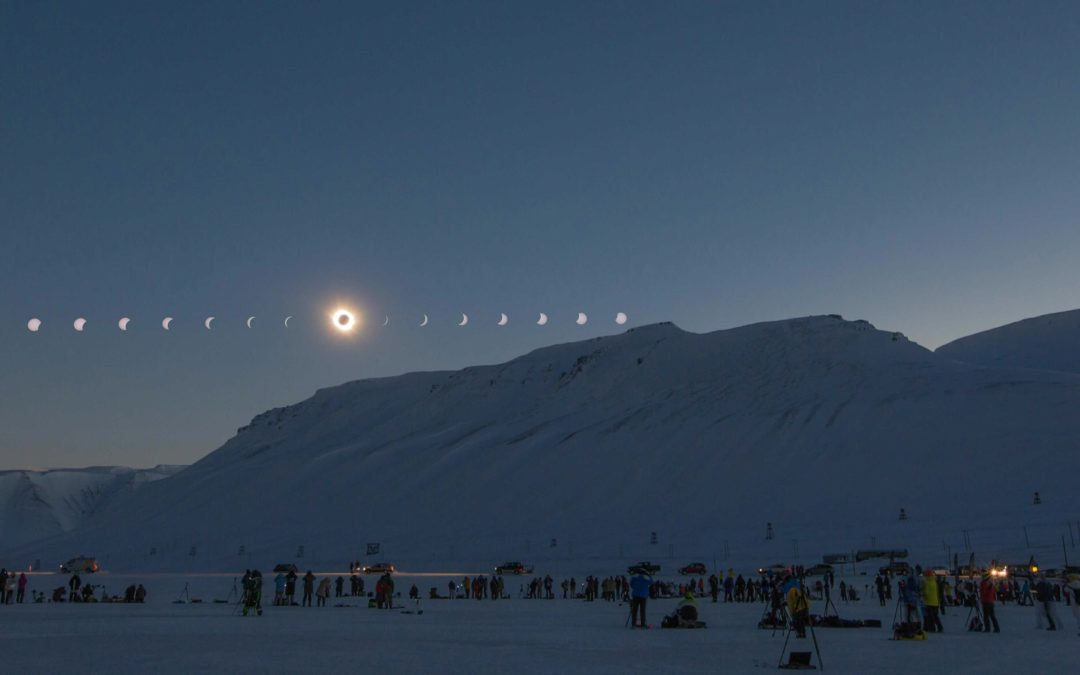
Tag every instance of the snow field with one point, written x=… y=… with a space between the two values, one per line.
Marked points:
x=469 y=636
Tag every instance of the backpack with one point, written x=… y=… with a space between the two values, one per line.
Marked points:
x=908 y=631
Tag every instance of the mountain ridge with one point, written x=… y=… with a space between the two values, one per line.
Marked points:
x=1046 y=342
x=40 y=503
x=598 y=442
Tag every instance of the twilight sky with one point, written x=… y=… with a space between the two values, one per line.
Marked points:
x=714 y=164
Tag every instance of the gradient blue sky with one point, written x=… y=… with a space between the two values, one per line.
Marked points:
x=714 y=164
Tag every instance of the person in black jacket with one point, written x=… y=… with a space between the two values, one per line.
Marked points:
x=290 y=588
x=309 y=588
x=75 y=584
x=1044 y=595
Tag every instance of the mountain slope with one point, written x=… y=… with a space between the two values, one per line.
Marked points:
x=823 y=427
x=1049 y=342
x=38 y=504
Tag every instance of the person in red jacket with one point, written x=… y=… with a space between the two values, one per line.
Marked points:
x=22 y=589
x=987 y=596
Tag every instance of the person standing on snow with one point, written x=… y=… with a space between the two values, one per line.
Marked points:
x=1072 y=585
x=290 y=588
x=9 y=588
x=339 y=587
x=1044 y=596
x=279 y=590
x=1025 y=594
x=798 y=605
x=388 y=585
x=987 y=597
x=640 y=584
x=931 y=603
x=912 y=593
x=75 y=584
x=324 y=592
x=22 y=589
x=309 y=588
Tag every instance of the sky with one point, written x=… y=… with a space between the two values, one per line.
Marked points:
x=712 y=164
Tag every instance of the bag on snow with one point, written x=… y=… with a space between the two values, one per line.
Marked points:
x=908 y=631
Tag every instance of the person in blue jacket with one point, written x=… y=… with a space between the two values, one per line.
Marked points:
x=913 y=588
x=279 y=589
x=639 y=595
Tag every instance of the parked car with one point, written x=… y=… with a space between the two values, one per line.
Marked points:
x=896 y=568
x=378 y=568
x=694 y=568
x=643 y=567
x=819 y=570
x=80 y=565
x=513 y=568
x=775 y=570
x=285 y=568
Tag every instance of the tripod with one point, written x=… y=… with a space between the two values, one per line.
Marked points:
x=185 y=596
x=829 y=603
x=974 y=611
x=775 y=606
x=240 y=598
x=234 y=593
x=809 y=624
x=896 y=612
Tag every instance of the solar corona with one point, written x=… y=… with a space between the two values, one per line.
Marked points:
x=343 y=320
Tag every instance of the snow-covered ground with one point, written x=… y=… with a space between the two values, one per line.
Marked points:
x=505 y=636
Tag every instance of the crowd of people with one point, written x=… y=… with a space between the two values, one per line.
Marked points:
x=12 y=589
x=924 y=596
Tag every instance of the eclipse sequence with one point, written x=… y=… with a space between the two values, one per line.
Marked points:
x=341 y=319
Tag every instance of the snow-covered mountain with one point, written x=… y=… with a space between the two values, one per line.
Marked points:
x=1048 y=342
x=38 y=504
x=823 y=427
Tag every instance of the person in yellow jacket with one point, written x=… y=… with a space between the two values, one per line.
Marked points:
x=931 y=604
x=798 y=605
x=687 y=609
